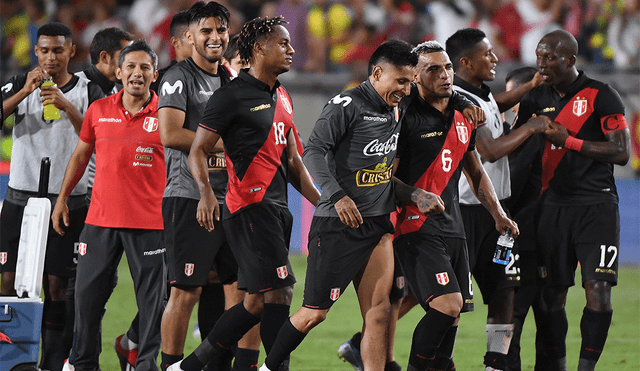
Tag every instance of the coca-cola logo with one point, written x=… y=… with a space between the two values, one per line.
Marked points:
x=377 y=148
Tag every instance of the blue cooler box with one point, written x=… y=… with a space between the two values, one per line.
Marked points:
x=20 y=322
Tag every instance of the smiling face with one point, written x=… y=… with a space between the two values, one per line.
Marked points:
x=435 y=76
x=209 y=37
x=137 y=73
x=482 y=63
x=54 y=53
x=392 y=82
x=278 y=52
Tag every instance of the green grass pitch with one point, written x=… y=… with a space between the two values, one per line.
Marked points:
x=319 y=350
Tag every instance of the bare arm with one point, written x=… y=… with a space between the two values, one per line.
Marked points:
x=75 y=169
x=298 y=175
x=34 y=78
x=485 y=193
x=614 y=150
x=493 y=149
x=55 y=97
x=172 y=133
x=208 y=207
x=508 y=99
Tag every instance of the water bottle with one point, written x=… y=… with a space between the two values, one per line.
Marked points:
x=503 y=248
x=51 y=112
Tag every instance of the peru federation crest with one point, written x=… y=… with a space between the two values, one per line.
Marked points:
x=335 y=294
x=82 y=248
x=188 y=269
x=579 y=107
x=3 y=257
x=463 y=132
x=150 y=124
x=282 y=272
x=400 y=282
x=443 y=278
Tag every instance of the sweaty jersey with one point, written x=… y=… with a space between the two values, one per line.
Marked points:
x=254 y=122
x=431 y=154
x=35 y=138
x=497 y=171
x=351 y=151
x=589 y=111
x=187 y=87
x=130 y=169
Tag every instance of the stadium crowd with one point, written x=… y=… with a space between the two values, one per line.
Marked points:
x=210 y=129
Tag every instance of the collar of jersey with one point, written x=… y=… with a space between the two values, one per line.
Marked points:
x=480 y=92
x=153 y=99
x=94 y=74
x=375 y=98
x=244 y=75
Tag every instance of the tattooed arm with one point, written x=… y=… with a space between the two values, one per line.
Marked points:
x=483 y=189
x=428 y=203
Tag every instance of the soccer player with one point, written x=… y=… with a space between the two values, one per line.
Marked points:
x=579 y=219
x=436 y=144
x=130 y=174
x=351 y=153
x=35 y=138
x=231 y=58
x=194 y=255
x=474 y=63
x=525 y=167
x=177 y=30
x=253 y=115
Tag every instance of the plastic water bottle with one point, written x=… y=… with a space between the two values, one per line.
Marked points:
x=51 y=112
x=503 y=248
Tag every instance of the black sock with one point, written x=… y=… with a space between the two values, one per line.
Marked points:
x=233 y=324
x=392 y=366
x=224 y=361
x=210 y=307
x=554 y=325
x=132 y=333
x=168 y=360
x=273 y=317
x=246 y=360
x=445 y=351
x=53 y=323
x=356 y=339
x=452 y=366
x=595 y=328
x=427 y=337
x=287 y=341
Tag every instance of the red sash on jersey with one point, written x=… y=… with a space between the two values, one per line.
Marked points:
x=252 y=188
x=572 y=117
x=436 y=178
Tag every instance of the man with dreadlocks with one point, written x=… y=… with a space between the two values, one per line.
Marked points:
x=253 y=115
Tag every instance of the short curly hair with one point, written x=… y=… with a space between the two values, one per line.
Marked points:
x=255 y=30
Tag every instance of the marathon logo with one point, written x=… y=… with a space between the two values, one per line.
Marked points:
x=431 y=135
x=154 y=252
x=136 y=163
x=549 y=109
x=207 y=93
x=217 y=161
x=377 y=148
x=260 y=107
x=375 y=118
x=109 y=119
x=144 y=157
x=335 y=294
x=606 y=270
x=144 y=149
x=380 y=175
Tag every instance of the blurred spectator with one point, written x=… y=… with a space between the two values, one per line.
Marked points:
x=144 y=15
x=160 y=37
x=635 y=143
x=448 y=16
x=15 y=44
x=295 y=12
x=237 y=19
x=539 y=17
x=103 y=15
x=329 y=24
x=36 y=10
x=623 y=35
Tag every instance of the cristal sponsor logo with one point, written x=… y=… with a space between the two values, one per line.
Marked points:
x=109 y=119
x=144 y=157
x=136 y=163
x=168 y=88
x=144 y=149
x=377 y=148
x=381 y=174
x=217 y=161
x=260 y=107
x=207 y=93
x=375 y=118
x=431 y=135
x=154 y=252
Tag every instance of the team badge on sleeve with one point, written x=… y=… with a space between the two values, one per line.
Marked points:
x=443 y=278
x=150 y=124
x=282 y=272
x=82 y=248
x=579 y=107
x=335 y=294
x=400 y=282
x=188 y=269
x=3 y=257
x=463 y=132
x=285 y=103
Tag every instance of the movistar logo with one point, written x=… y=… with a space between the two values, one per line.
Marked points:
x=168 y=89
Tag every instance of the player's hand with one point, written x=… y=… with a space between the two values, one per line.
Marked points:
x=503 y=222
x=208 y=211
x=474 y=114
x=34 y=79
x=428 y=203
x=537 y=79
x=556 y=134
x=60 y=211
x=539 y=124
x=348 y=212
x=55 y=97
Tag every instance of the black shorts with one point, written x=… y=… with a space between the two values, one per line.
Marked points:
x=482 y=237
x=399 y=287
x=259 y=237
x=60 y=258
x=192 y=251
x=435 y=266
x=336 y=254
x=589 y=234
